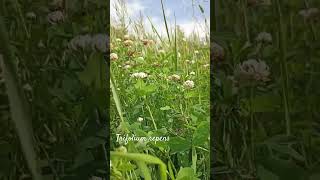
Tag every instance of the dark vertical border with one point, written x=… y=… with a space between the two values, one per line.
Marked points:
x=212 y=28
x=107 y=58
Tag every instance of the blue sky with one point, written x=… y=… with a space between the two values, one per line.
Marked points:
x=187 y=12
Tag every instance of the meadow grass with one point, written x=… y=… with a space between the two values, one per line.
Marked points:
x=161 y=84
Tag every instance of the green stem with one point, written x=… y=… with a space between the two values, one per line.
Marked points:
x=20 y=114
x=252 y=126
x=284 y=69
x=153 y=121
x=245 y=17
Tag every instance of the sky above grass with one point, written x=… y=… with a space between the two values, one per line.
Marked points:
x=187 y=13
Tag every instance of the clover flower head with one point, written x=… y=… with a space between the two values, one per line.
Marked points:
x=55 y=17
x=264 y=37
x=128 y=42
x=253 y=70
x=31 y=15
x=114 y=57
x=99 y=42
x=140 y=75
x=309 y=14
x=126 y=37
x=174 y=77
x=217 y=52
x=189 y=84
x=140 y=119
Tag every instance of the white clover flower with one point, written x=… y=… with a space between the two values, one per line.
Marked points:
x=150 y=42
x=217 y=52
x=192 y=73
x=206 y=65
x=174 y=77
x=189 y=84
x=264 y=37
x=126 y=66
x=161 y=51
x=114 y=56
x=310 y=13
x=128 y=42
x=31 y=15
x=253 y=70
x=41 y=44
x=126 y=37
x=140 y=119
x=147 y=42
x=140 y=58
x=81 y=41
x=141 y=75
x=96 y=42
x=193 y=62
x=55 y=17
x=99 y=42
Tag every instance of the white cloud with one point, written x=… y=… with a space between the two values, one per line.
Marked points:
x=134 y=8
x=193 y=26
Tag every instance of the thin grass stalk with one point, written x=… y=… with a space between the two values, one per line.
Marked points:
x=175 y=44
x=153 y=121
x=283 y=66
x=252 y=150
x=155 y=30
x=245 y=18
x=20 y=114
x=165 y=21
x=116 y=98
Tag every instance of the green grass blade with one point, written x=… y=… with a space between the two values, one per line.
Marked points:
x=165 y=21
x=175 y=44
x=19 y=112
x=154 y=29
x=116 y=98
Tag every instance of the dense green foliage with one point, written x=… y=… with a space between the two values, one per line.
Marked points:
x=265 y=97
x=64 y=83
x=160 y=88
